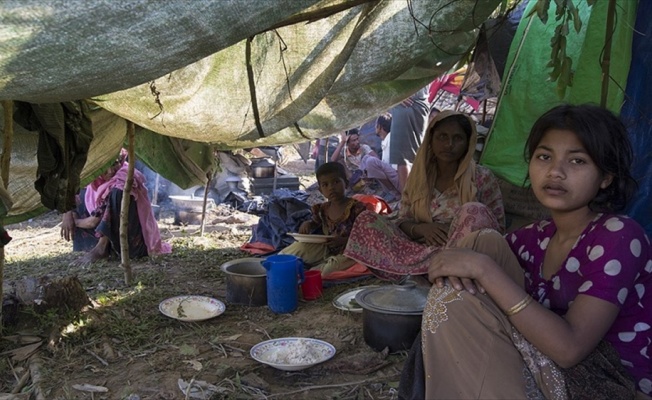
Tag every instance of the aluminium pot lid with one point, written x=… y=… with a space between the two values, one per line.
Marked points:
x=406 y=299
x=265 y=162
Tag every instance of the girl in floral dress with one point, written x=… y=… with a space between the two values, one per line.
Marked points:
x=334 y=217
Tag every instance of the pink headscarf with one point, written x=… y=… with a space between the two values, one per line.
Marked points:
x=99 y=189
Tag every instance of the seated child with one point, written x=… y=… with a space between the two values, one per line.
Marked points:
x=334 y=217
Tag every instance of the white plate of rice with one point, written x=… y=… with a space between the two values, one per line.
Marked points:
x=292 y=353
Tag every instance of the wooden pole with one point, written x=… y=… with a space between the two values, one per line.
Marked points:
x=124 y=210
x=5 y=160
x=606 y=59
x=209 y=176
x=155 y=194
x=8 y=107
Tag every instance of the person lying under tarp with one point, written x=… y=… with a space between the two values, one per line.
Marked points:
x=94 y=226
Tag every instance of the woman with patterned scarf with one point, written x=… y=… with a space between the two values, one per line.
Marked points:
x=95 y=225
x=446 y=197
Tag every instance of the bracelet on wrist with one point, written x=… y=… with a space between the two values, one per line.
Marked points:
x=520 y=306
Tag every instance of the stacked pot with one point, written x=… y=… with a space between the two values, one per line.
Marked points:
x=391 y=315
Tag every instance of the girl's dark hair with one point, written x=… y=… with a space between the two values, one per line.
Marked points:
x=332 y=168
x=605 y=138
x=461 y=120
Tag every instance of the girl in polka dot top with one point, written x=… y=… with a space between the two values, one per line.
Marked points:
x=571 y=295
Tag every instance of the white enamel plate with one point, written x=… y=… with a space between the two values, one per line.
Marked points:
x=191 y=308
x=292 y=353
x=346 y=301
x=299 y=237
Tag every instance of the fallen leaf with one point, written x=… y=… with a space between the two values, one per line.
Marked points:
x=199 y=389
x=23 y=353
x=23 y=339
x=196 y=365
x=86 y=387
x=233 y=338
x=188 y=350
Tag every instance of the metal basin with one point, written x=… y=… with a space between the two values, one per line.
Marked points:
x=246 y=282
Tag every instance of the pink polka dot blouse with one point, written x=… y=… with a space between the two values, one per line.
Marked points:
x=611 y=260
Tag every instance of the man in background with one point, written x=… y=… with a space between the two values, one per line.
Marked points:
x=408 y=127
x=383 y=130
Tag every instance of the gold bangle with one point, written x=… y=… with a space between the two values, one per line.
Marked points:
x=518 y=307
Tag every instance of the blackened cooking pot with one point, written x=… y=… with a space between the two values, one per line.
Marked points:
x=263 y=168
x=246 y=281
x=391 y=315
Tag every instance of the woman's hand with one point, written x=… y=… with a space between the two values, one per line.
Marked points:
x=88 y=222
x=305 y=228
x=434 y=233
x=463 y=268
x=67 y=226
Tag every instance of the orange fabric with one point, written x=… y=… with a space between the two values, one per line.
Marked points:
x=257 y=248
x=354 y=271
x=374 y=203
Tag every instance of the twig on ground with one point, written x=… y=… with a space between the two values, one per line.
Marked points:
x=284 y=394
x=35 y=371
x=21 y=383
x=100 y=359
x=261 y=330
x=13 y=370
x=51 y=232
x=233 y=348
x=219 y=347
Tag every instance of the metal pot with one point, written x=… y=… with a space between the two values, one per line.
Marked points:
x=188 y=209
x=391 y=315
x=263 y=168
x=246 y=281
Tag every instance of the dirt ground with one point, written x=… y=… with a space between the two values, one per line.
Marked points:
x=122 y=347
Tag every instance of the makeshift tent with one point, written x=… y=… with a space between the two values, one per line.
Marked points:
x=636 y=112
x=228 y=74
x=527 y=92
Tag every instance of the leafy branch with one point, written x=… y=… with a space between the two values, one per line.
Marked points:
x=566 y=13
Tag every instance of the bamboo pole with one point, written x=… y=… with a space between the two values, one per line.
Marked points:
x=606 y=59
x=124 y=210
x=7 y=144
x=155 y=194
x=209 y=176
x=8 y=107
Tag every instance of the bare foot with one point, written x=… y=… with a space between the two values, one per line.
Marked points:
x=89 y=258
x=97 y=253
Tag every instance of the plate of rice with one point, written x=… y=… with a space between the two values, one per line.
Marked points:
x=292 y=353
